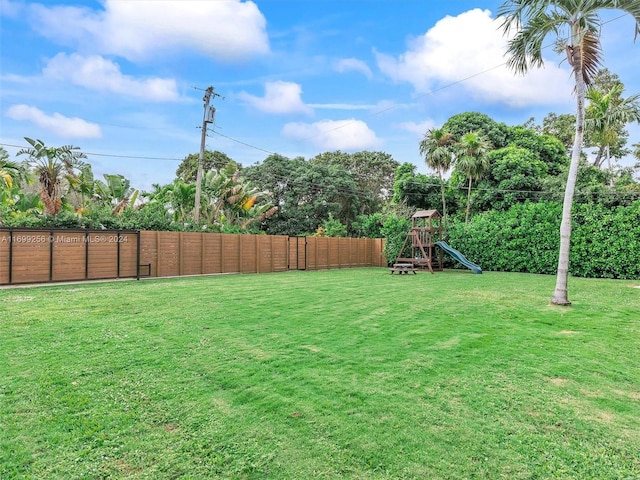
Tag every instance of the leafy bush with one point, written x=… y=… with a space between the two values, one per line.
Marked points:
x=605 y=243
x=369 y=226
x=334 y=227
x=395 y=231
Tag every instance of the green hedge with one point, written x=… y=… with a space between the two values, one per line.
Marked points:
x=605 y=243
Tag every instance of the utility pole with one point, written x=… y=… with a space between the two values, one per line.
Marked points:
x=209 y=113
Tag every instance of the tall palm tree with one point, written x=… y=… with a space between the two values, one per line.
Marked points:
x=437 y=148
x=606 y=116
x=51 y=166
x=472 y=160
x=576 y=25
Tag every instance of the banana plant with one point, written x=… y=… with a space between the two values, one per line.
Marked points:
x=178 y=198
x=116 y=191
x=230 y=200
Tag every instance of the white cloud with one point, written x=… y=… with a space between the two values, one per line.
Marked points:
x=229 y=30
x=10 y=9
x=418 y=128
x=342 y=106
x=279 y=97
x=353 y=64
x=334 y=134
x=476 y=58
x=97 y=73
x=69 y=127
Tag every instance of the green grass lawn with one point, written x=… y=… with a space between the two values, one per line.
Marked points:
x=333 y=374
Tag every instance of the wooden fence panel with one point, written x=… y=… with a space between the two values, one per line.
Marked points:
x=128 y=254
x=264 y=254
x=103 y=259
x=212 y=252
x=332 y=251
x=149 y=253
x=248 y=253
x=191 y=253
x=31 y=256
x=311 y=253
x=379 y=258
x=5 y=251
x=362 y=253
x=279 y=254
x=344 y=252
x=168 y=254
x=69 y=256
x=231 y=253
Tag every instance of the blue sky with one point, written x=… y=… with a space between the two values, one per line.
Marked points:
x=124 y=79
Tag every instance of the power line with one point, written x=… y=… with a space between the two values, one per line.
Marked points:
x=110 y=155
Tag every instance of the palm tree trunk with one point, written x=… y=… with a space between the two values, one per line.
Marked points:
x=560 y=296
x=444 y=205
x=599 y=157
x=468 y=201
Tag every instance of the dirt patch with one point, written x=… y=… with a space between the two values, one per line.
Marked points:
x=170 y=427
x=568 y=332
x=452 y=342
x=311 y=348
x=631 y=395
x=22 y=298
x=604 y=417
x=558 y=382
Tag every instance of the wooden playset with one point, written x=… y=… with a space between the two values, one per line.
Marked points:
x=426 y=230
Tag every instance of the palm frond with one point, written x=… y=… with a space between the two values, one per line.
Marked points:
x=586 y=56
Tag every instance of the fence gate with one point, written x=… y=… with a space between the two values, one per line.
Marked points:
x=297 y=253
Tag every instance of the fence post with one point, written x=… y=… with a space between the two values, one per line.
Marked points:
x=86 y=254
x=118 y=255
x=257 y=254
x=10 y=255
x=203 y=253
x=51 y=239
x=158 y=246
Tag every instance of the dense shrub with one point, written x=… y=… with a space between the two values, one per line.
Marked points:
x=368 y=226
x=604 y=242
x=395 y=231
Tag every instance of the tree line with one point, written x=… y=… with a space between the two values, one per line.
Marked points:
x=478 y=165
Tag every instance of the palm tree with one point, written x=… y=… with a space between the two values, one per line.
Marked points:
x=472 y=160
x=606 y=116
x=51 y=166
x=436 y=146
x=576 y=25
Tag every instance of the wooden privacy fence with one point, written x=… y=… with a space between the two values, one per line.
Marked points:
x=52 y=255
x=165 y=254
